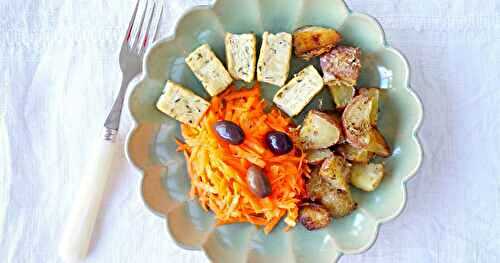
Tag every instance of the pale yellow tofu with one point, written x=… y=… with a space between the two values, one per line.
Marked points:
x=274 y=58
x=209 y=70
x=241 y=55
x=182 y=104
x=299 y=91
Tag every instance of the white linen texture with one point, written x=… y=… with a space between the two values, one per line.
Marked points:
x=59 y=75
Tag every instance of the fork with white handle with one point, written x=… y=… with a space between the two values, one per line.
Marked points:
x=77 y=233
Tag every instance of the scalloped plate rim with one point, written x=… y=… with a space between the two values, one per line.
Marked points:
x=414 y=135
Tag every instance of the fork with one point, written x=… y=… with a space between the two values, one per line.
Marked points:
x=75 y=240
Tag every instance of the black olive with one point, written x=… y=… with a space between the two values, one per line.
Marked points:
x=230 y=132
x=258 y=181
x=278 y=142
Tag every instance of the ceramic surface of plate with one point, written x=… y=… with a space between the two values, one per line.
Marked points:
x=165 y=185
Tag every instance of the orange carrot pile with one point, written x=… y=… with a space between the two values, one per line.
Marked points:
x=218 y=169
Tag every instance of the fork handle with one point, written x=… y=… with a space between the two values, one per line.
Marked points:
x=77 y=233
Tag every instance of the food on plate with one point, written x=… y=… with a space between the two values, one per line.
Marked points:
x=341 y=66
x=377 y=144
x=374 y=93
x=313 y=216
x=230 y=132
x=330 y=187
x=312 y=41
x=181 y=104
x=241 y=55
x=218 y=170
x=278 y=142
x=299 y=91
x=341 y=95
x=356 y=121
x=248 y=161
x=367 y=177
x=274 y=58
x=319 y=130
x=359 y=120
x=258 y=181
x=209 y=70
x=353 y=154
x=316 y=156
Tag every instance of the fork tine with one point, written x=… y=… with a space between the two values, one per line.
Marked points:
x=146 y=33
x=157 y=23
x=131 y=23
x=139 y=29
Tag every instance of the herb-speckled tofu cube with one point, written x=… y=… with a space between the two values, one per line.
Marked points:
x=241 y=55
x=181 y=104
x=209 y=70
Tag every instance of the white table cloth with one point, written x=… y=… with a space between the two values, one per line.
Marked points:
x=59 y=74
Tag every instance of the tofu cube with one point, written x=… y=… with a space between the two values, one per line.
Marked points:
x=182 y=104
x=341 y=66
x=299 y=91
x=209 y=70
x=274 y=59
x=241 y=55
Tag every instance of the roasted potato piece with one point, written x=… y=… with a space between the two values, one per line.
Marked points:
x=312 y=41
x=367 y=177
x=341 y=95
x=341 y=66
x=356 y=121
x=313 y=216
x=374 y=93
x=354 y=154
x=330 y=186
x=319 y=130
x=377 y=144
x=318 y=155
x=337 y=169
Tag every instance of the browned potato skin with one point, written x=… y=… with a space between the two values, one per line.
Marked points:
x=330 y=186
x=311 y=138
x=374 y=93
x=356 y=124
x=341 y=66
x=312 y=41
x=313 y=216
x=336 y=168
x=317 y=156
x=357 y=121
x=377 y=144
x=354 y=154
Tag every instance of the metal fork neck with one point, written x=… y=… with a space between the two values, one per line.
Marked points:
x=113 y=120
x=110 y=134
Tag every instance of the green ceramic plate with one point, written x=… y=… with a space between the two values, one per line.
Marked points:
x=165 y=182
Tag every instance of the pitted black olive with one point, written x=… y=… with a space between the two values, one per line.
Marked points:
x=258 y=181
x=279 y=142
x=230 y=132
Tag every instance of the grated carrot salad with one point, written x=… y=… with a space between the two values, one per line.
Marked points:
x=218 y=169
